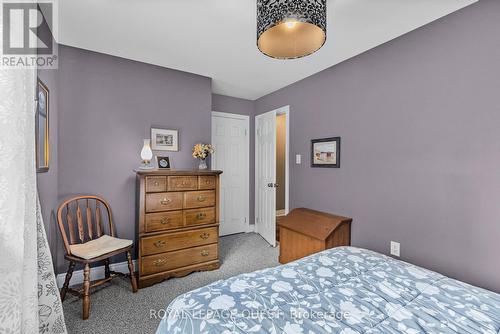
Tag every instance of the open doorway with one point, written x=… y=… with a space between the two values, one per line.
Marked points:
x=271 y=171
x=280 y=170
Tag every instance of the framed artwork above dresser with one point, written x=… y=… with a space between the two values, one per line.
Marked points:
x=178 y=223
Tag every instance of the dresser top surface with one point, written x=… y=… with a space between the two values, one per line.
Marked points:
x=154 y=172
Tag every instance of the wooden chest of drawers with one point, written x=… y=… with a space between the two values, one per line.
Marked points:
x=178 y=223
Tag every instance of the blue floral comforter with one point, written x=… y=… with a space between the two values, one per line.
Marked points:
x=343 y=290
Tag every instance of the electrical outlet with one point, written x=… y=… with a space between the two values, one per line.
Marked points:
x=298 y=159
x=395 y=248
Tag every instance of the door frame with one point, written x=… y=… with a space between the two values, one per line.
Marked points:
x=245 y=118
x=285 y=110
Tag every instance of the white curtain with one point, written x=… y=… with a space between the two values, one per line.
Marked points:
x=29 y=298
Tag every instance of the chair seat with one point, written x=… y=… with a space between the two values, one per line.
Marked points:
x=97 y=247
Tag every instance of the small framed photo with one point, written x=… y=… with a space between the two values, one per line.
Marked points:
x=325 y=152
x=163 y=162
x=164 y=139
x=42 y=128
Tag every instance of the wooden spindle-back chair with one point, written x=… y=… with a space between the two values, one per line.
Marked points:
x=88 y=222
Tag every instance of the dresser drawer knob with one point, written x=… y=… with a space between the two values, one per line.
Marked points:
x=200 y=216
x=205 y=253
x=201 y=198
x=156 y=183
x=160 y=262
x=159 y=243
x=207 y=182
x=164 y=221
x=165 y=201
x=205 y=235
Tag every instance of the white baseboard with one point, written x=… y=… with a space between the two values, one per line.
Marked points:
x=95 y=273
x=280 y=213
x=250 y=228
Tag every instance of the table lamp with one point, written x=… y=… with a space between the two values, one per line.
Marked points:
x=146 y=155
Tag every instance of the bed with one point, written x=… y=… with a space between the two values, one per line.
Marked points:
x=343 y=290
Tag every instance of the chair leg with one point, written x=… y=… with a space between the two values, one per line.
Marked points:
x=133 y=280
x=106 y=268
x=86 y=294
x=69 y=273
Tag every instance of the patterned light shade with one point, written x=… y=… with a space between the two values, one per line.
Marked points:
x=288 y=29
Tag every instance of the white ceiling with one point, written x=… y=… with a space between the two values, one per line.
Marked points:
x=216 y=38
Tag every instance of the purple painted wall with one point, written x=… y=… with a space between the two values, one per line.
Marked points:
x=419 y=119
x=235 y=105
x=48 y=182
x=106 y=107
x=232 y=105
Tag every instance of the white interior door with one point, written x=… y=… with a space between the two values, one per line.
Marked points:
x=265 y=176
x=231 y=145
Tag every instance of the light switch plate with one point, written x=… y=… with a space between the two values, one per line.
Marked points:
x=395 y=247
x=298 y=159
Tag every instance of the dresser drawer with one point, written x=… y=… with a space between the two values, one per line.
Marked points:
x=178 y=240
x=163 y=202
x=206 y=182
x=199 y=216
x=199 y=199
x=177 y=259
x=156 y=184
x=163 y=221
x=179 y=183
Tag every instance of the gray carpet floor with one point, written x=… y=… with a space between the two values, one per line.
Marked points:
x=115 y=309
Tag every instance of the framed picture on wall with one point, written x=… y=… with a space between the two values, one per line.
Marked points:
x=325 y=152
x=164 y=139
x=42 y=128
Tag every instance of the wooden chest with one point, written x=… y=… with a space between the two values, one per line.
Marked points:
x=304 y=232
x=178 y=223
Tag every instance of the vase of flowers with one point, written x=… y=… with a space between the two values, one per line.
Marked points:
x=202 y=151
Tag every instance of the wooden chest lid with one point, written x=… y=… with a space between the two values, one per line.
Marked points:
x=316 y=224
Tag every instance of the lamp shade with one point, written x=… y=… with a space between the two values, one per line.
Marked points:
x=288 y=29
x=146 y=153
